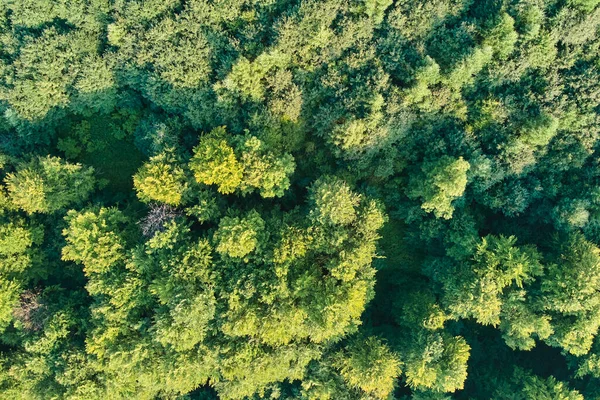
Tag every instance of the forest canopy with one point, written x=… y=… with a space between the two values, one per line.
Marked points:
x=299 y=199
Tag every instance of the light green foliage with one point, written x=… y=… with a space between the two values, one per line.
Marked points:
x=502 y=36
x=428 y=395
x=590 y=363
x=14 y=239
x=578 y=271
x=572 y=214
x=48 y=184
x=419 y=309
x=177 y=49
x=165 y=277
x=47 y=69
x=437 y=362
x=182 y=285
x=527 y=386
x=469 y=66
x=334 y=202
x=529 y=20
x=520 y=323
x=364 y=138
x=369 y=364
x=17 y=242
x=262 y=340
x=265 y=171
x=246 y=166
x=20 y=262
x=533 y=136
x=161 y=179
x=416 y=20
x=56 y=329
x=9 y=299
x=94 y=240
x=321 y=279
x=441 y=182
x=571 y=291
x=322 y=382
x=476 y=289
x=585 y=5
x=375 y=9
x=174 y=253
x=282 y=200
x=425 y=77
x=251 y=369
x=310 y=32
x=542 y=52
x=247 y=77
x=238 y=237
x=548 y=389
x=591 y=366
x=206 y=207
x=190 y=319
x=32 y=13
x=215 y=163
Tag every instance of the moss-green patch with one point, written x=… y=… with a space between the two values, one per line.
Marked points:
x=116 y=162
x=105 y=142
x=394 y=247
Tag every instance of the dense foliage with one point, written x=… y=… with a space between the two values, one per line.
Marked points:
x=304 y=199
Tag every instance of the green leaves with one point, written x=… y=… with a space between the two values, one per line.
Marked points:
x=571 y=293
x=18 y=255
x=246 y=77
x=247 y=167
x=440 y=182
x=375 y=9
x=238 y=237
x=161 y=179
x=247 y=156
x=215 y=163
x=573 y=281
x=187 y=323
x=437 y=362
x=48 y=184
x=334 y=202
x=94 y=239
x=521 y=323
x=476 y=291
x=369 y=365
x=177 y=49
x=265 y=171
x=525 y=385
x=9 y=299
x=502 y=36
